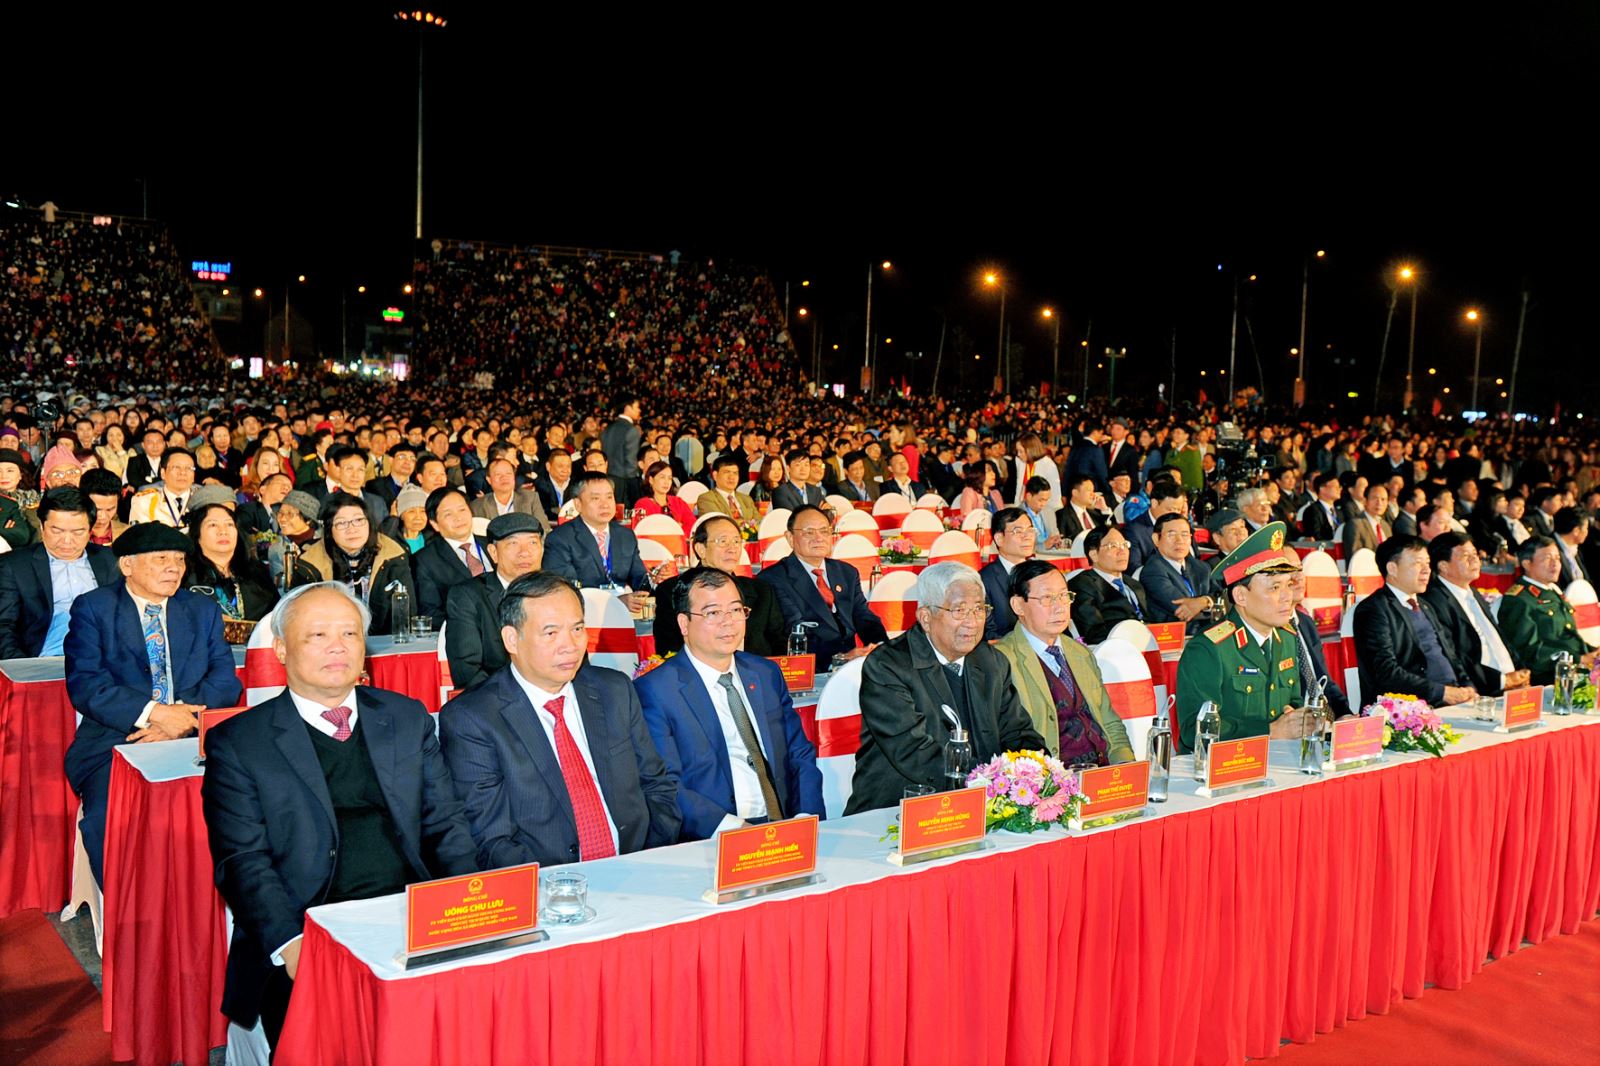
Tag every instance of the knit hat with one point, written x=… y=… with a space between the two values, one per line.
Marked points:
x=303 y=502
x=411 y=496
x=206 y=495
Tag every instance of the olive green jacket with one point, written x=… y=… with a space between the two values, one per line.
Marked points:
x=1027 y=674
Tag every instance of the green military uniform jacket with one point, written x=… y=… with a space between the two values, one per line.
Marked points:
x=1249 y=685
x=1027 y=675
x=17 y=525
x=1538 y=624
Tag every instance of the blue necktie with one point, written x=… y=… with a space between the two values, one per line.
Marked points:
x=1127 y=594
x=1054 y=651
x=155 y=648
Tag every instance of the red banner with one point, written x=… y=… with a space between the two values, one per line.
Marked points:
x=464 y=910
x=942 y=820
x=1237 y=762
x=762 y=854
x=616 y=641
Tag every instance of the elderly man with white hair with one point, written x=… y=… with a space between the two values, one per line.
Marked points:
x=913 y=685
x=1255 y=506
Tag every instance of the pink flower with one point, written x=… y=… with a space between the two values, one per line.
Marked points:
x=1050 y=808
x=1023 y=796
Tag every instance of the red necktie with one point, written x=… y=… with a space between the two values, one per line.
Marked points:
x=474 y=567
x=733 y=505
x=1378 y=529
x=594 y=837
x=340 y=717
x=822 y=586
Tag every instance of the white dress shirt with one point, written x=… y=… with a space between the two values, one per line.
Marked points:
x=1040 y=648
x=572 y=715
x=1494 y=654
x=469 y=545
x=311 y=711
x=747 y=799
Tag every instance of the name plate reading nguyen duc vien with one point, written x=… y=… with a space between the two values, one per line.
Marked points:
x=1236 y=765
x=765 y=858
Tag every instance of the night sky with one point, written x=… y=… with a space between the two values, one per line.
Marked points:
x=1104 y=170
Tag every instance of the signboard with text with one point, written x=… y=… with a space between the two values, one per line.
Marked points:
x=1237 y=762
x=1113 y=789
x=766 y=854
x=453 y=911
x=941 y=820
x=799 y=671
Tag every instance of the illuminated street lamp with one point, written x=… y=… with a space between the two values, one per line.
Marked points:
x=868 y=372
x=1406 y=275
x=994 y=281
x=1476 y=320
x=1305 y=300
x=423 y=20
x=1055 y=350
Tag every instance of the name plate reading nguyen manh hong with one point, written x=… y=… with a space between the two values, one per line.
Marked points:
x=765 y=858
x=940 y=825
x=455 y=917
x=1235 y=765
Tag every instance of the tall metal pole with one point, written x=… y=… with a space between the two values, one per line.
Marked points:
x=1477 y=358
x=344 y=331
x=1305 y=298
x=1000 y=364
x=1055 y=362
x=420 y=40
x=1172 y=387
x=1516 y=356
x=1233 y=341
x=1411 y=344
x=286 y=323
x=1383 y=351
x=939 y=359
x=866 y=346
x=1088 y=335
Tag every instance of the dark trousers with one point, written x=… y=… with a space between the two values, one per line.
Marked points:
x=96 y=789
x=275 y=1004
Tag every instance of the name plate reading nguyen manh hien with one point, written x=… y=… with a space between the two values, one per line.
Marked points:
x=1236 y=765
x=941 y=824
x=455 y=917
x=765 y=858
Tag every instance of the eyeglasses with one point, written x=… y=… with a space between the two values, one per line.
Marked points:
x=347 y=524
x=814 y=531
x=724 y=542
x=1056 y=599
x=967 y=613
x=720 y=614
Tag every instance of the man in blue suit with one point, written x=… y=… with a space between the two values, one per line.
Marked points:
x=551 y=756
x=1014 y=542
x=723 y=721
x=327 y=792
x=840 y=612
x=795 y=491
x=595 y=551
x=143 y=660
x=1177 y=586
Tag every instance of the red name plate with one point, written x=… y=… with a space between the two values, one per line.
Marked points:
x=1109 y=789
x=1524 y=705
x=1357 y=738
x=1237 y=762
x=464 y=910
x=762 y=854
x=799 y=671
x=1169 y=635
x=211 y=719
x=1327 y=618
x=941 y=820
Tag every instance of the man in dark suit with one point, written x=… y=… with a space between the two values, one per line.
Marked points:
x=39 y=583
x=503 y=496
x=717 y=543
x=326 y=792
x=260 y=515
x=402 y=464
x=452 y=556
x=1121 y=453
x=1410 y=501
x=1483 y=657
x=620 y=441
x=840 y=612
x=1319 y=517
x=551 y=756
x=1166 y=497
x=143 y=659
x=795 y=492
x=1087 y=457
x=899 y=479
x=941 y=662
x=1015 y=542
x=472 y=608
x=596 y=551
x=554 y=486
x=1392 y=462
x=854 y=486
x=1401 y=645
x=1572 y=530
x=1104 y=595
x=1543 y=502
x=1176 y=584
x=145 y=468
x=348 y=466
x=723 y=721
x=1081 y=511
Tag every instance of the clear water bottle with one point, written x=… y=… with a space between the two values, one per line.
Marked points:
x=799 y=640
x=957 y=758
x=1158 y=749
x=1207 y=728
x=399 y=612
x=877 y=575
x=1314 y=738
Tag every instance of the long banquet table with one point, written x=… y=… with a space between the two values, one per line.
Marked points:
x=1206 y=933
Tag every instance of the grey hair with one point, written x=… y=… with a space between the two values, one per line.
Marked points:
x=1250 y=497
x=280 y=613
x=935 y=584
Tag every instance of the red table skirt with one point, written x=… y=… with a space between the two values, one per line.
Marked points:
x=414 y=673
x=1204 y=937
x=165 y=947
x=38 y=809
x=1494 y=582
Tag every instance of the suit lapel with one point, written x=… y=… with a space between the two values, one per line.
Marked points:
x=597 y=731
x=698 y=700
x=41 y=574
x=377 y=731
x=297 y=751
x=756 y=699
x=521 y=718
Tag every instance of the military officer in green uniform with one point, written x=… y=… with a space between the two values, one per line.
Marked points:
x=1249 y=664
x=1535 y=619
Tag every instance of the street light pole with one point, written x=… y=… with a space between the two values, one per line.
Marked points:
x=1477 y=352
x=866 y=347
x=1055 y=354
x=1411 y=346
x=1002 y=364
x=1516 y=356
x=423 y=20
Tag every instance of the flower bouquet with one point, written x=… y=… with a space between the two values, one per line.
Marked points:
x=1583 y=695
x=899 y=551
x=648 y=664
x=1411 y=725
x=1027 y=791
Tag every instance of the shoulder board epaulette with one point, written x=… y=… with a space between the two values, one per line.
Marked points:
x=1220 y=632
x=1516 y=589
x=1289 y=627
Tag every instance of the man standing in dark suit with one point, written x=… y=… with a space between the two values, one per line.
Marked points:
x=143 y=659
x=1087 y=457
x=1176 y=584
x=326 y=792
x=795 y=493
x=1015 y=541
x=451 y=557
x=596 y=551
x=723 y=721
x=1482 y=655
x=1105 y=595
x=551 y=756
x=472 y=608
x=907 y=684
x=814 y=588
x=1401 y=645
x=620 y=441
x=1121 y=453
x=39 y=583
